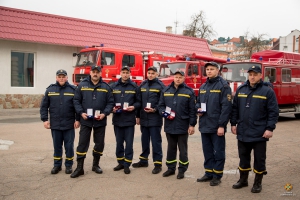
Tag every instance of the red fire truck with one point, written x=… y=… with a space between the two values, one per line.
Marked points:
x=193 y=67
x=112 y=60
x=282 y=69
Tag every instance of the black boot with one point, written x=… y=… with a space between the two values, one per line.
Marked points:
x=243 y=181
x=79 y=170
x=96 y=167
x=257 y=183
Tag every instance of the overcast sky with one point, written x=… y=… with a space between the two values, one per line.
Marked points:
x=229 y=18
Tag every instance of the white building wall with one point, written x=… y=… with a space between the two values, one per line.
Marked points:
x=47 y=60
x=286 y=43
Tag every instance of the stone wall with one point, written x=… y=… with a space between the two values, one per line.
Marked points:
x=8 y=101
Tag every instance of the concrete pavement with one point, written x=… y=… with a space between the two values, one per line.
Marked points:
x=26 y=164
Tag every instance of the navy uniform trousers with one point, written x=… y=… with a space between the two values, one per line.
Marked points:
x=181 y=141
x=84 y=140
x=60 y=138
x=124 y=134
x=153 y=133
x=259 y=151
x=214 y=154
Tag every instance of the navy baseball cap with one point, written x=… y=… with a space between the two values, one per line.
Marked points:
x=152 y=68
x=125 y=68
x=254 y=68
x=212 y=64
x=61 y=72
x=179 y=72
x=96 y=68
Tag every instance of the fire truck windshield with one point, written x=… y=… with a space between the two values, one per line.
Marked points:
x=168 y=69
x=236 y=72
x=87 y=58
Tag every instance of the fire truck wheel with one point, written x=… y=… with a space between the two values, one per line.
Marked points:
x=297 y=116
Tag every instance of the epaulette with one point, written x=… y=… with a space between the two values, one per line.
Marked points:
x=244 y=84
x=270 y=85
x=224 y=82
x=189 y=88
x=161 y=83
x=143 y=83
x=133 y=83
x=54 y=84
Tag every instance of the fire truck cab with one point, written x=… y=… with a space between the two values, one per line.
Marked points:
x=193 y=67
x=281 y=69
x=112 y=60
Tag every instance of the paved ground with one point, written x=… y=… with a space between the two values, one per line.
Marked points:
x=25 y=167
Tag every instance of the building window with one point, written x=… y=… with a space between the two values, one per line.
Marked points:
x=22 y=69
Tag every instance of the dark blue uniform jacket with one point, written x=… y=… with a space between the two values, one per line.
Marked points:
x=254 y=111
x=182 y=101
x=58 y=101
x=97 y=97
x=149 y=92
x=125 y=92
x=216 y=93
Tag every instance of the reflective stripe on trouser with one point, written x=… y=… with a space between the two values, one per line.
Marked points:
x=84 y=140
x=124 y=134
x=60 y=138
x=153 y=134
x=259 y=152
x=179 y=140
x=214 y=154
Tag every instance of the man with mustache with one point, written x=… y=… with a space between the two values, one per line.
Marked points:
x=93 y=101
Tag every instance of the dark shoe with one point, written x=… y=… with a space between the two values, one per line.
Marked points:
x=79 y=169
x=215 y=181
x=126 y=170
x=156 y=170
x=243 y=181
x=240 y=184
x=68 y=170
x=139 y=164
x=97 y=169
x=180 y=175
x=257 y=183
x=119 y=167
x=204 y=179
x=168 y=173
x=55 y=169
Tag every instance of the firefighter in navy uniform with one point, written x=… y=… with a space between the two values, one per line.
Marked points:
x=254 y=117
x=214 y=107
x=58 y=101
x=124 y=118
x=93 y=101
x=177 y=104
x=150 y=120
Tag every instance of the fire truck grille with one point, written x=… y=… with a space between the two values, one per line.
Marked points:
x=80 y=77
